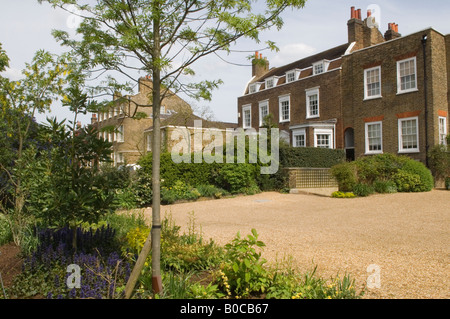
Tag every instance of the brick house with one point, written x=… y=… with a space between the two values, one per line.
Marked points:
x=187 y=124
x=118 y=126
x=377 y=93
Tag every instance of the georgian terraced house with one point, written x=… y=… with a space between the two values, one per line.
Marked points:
x=376 y=93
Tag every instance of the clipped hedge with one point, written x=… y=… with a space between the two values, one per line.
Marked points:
x=310 y=157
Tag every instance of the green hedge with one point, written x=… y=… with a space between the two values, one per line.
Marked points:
x=310 y=157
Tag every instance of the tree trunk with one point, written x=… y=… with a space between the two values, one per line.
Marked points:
x=156 y=185
x=153 y=241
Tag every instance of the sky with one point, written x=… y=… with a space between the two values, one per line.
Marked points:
x=26 y=25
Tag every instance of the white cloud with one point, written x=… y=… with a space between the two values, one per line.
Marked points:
x=290 y=53
x=12 y=74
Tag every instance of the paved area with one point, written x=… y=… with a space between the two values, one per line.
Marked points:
x=405 y=235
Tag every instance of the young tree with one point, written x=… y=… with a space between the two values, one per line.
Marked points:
x=42 y=83
x=165 y=38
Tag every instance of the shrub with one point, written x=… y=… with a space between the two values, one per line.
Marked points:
x=363 y=190
x=384 y=173
x=210 y=191
x=343 y=195
x=382 y=166
x=406 y=182
x=447 y=183
x=345 y=175
x=439 y=161
x=426 y=181
x=385 y=187
x=235 y=178
x=243 y=272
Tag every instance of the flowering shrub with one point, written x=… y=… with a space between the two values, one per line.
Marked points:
x=343 y=195
x=103 y=272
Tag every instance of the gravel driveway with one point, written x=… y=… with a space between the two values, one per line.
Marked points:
x=405 y=235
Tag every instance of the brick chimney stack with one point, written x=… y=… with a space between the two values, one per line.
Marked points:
x=392 y=32
x=260 y=65
x=363 y=33
x=94 y=118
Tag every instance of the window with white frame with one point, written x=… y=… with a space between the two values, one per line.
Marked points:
x=299 y=138
x=119 y=134
x=323 y=138
x=119 y=158
x=270 y=83
x=312 y=103
x=372 y=83
x=408 y=131
x=252 y=88
x=247 y=116
x=406 y=75
x=263 y=111
x=284 y=103
x=291 y=76
x=318 y=68
x=442 y=130
x=374 y=138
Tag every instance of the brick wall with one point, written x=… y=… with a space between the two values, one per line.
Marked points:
x=329 y=85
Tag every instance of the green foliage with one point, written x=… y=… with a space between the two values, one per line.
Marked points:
x=426 y=181
x=384 y=173
x=385 y=187
x=65 y=184
x=345 y=174
x=243 y=272
x=310 y=157
x=447 y=183
x=236 y=178
x=439 y=160
x=363 y=190
x=211 y=191
x=6 y=235
x=343 y=195
x=383 y=166
x=406 y=182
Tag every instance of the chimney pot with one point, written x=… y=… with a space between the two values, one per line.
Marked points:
x=369 y=13
x=352 y=13
x=359 y=14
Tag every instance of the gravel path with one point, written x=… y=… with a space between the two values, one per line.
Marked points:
x=405 y=235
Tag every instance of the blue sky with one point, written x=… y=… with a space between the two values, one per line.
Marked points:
x=25 y=27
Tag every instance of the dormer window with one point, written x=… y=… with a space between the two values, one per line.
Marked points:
x=292 y=75
x=253 y=88
x=270 y=83
x=320 y=67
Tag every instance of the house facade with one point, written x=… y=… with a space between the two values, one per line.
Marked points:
x=124 y=123
x=377 y=93
x=186 y=132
